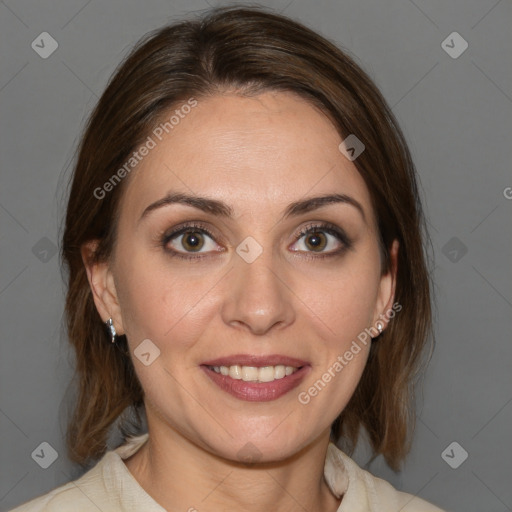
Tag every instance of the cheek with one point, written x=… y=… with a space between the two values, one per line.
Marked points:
x=342 y=308
x=344 y=300
x=158 y=303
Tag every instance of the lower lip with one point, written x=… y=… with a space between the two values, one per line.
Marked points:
x=257 y=391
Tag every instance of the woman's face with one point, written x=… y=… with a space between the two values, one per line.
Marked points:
x=225 y=258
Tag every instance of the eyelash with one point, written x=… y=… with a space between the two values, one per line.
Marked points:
x=324 y=227
x=189 y=227
x=331 y=229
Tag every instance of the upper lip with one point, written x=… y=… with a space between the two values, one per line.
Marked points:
x=257 y=361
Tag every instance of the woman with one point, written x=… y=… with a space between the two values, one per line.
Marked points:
x=244 y=220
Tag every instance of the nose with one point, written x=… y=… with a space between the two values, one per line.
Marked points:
x=257 y=297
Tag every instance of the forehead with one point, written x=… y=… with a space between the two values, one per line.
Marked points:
x=253 y=153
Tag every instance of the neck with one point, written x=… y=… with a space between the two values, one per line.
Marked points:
x=179 y=475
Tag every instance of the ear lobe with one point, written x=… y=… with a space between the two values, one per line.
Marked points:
x=102 y=286
x=387 y=287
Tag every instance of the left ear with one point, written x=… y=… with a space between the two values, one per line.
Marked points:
x=387 y=285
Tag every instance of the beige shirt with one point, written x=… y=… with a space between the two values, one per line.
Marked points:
x=110 y=487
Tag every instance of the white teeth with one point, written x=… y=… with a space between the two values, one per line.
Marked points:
x=254 y=373
x=250 y=373
x=235 y=372
x=279 y=371
x=266 y=374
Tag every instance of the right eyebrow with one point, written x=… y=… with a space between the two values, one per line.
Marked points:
x=202 y=203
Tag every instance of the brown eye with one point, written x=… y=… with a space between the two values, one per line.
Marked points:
x=192 y=241
x=322 y=240
x=316 y=241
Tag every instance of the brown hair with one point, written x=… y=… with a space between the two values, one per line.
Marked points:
x=246 y=51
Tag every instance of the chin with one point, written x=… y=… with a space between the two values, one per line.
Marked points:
x=259 y=447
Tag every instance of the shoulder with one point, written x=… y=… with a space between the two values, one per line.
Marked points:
x=403 y=501
x=64 y=498
x=363 y=491
x=100 y=488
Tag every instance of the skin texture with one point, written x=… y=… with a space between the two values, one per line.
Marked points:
x=257 y=155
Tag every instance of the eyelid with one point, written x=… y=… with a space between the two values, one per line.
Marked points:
x=346 y=244
x=186 y=227
x=326 y=227
x=181 y=229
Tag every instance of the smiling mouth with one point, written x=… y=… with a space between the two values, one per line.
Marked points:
x=255 y=373
x=257 y=383
x=256 y=378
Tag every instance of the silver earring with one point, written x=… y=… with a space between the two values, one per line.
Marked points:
x=380 y=327
x=111 y=329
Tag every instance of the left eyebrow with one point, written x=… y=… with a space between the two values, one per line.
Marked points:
x=221 y=209
x=313 y=203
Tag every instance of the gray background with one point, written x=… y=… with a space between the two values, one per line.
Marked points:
x=456 y=114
